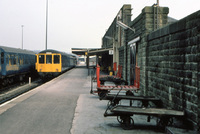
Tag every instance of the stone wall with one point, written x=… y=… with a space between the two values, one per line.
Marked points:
x=169 y=57
x=121 y=58
x=114 y=37
x=173 y=65
x=143 y=25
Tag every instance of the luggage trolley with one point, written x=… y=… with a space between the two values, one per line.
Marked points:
x=104 y=90
x=124 y=113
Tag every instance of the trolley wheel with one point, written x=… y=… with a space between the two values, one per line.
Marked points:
x=113 y=102
x=119 y=119
x=164 y=121
x=198 y=129
x=123 y=82
x=102 y=94
x=127 y=122
x=110 y=105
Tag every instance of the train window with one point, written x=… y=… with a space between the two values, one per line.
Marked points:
x=41 y=59
x=48 y=59
x=26 y=59
x=56 y=59
x=2 y=57
x=10 y=61
x=7 y=59
x=21 y=60
x=14 y=60
x=18 y=60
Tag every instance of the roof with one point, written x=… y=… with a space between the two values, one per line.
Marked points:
x=99 y=51
x=79 y=51
x=16 y=50
x=55 y=51
x=50 y=50
x=171 y=20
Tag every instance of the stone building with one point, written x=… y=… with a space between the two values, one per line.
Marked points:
x=167 y=52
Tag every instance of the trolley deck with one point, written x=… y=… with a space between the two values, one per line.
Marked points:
x=146 y=111
x=144 y=99
x=124 y=113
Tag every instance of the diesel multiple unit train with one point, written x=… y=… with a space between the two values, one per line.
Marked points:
x=16 y=63
x=50 y=63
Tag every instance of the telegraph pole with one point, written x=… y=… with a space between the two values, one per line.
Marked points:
x=22 y=36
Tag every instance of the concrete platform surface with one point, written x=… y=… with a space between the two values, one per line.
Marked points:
x=89 y=119
x=64 y=105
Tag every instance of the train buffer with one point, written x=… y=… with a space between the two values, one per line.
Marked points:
x=124 y=113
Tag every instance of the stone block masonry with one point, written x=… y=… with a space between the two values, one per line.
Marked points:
x=168 y=54
x=143 y=25
x=173 y=70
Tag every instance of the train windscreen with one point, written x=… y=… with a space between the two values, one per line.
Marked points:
x=48 y=59
x=56 y=59
x=41 y=59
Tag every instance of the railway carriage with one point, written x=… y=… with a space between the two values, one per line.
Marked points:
x=15 y=64
x=50 y=63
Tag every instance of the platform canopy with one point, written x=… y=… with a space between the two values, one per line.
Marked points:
x=79 y=51
x=100 y=51
x=90 y=52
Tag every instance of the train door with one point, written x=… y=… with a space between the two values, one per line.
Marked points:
x=132 y=62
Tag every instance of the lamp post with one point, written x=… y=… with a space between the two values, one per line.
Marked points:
x=22 y=36
x=124 y=26
x=46 y=23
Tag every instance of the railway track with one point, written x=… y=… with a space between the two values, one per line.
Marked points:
x=12 y=91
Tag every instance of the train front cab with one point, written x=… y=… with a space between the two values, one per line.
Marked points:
x=48 y=63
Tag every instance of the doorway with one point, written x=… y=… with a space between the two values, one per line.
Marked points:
x=132 y=62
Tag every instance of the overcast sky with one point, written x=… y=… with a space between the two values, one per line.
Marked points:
x=71 y=23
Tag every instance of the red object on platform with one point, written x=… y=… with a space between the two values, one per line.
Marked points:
x=135 y=87
x=137 y=77
x=115 y=66
x=97 y=74
x=119 y=73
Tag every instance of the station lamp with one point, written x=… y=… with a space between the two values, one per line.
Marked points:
x=124 y=26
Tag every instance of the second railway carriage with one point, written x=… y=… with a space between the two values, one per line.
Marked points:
x=15 y=64
x=50 y=63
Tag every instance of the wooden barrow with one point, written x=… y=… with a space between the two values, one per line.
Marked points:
x=124 y=113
